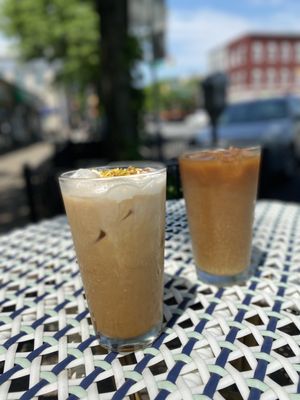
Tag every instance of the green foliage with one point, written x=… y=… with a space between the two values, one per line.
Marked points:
x=175 y=94
x=57 y=30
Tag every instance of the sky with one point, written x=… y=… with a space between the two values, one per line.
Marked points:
x=194 y=27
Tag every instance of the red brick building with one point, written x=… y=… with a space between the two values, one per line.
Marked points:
x=260 y=64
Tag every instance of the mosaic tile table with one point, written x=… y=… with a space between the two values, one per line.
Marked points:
x=240 y=342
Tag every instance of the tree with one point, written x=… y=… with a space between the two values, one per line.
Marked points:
x=175 y=94
x=57 y=30
x=69 y=31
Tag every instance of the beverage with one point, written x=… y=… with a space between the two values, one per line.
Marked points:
x=117 y=219
x=220 y=189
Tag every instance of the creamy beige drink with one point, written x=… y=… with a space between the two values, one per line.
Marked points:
x=117 y=220
x=220 y=189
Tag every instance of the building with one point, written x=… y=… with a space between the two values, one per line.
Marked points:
x=37 y=78
x=259 y=64
x=20 y=122
x=147 y=21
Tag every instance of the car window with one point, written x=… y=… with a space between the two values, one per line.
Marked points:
x=295 y=107
x=255 y=111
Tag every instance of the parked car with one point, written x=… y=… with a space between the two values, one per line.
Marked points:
x=198 y=119
x=271 y=123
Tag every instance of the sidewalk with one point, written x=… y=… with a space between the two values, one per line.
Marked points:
x=13 y=205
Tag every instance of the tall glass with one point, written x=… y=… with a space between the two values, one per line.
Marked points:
x=117 y=225
x=220 y=188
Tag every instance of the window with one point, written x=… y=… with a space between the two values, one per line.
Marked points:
x=297 y=52
x=257 y=52
x=242 y=55
x=272 y=52
x=234 y=78
x=271 y=76
x=234 y=58
x=256 y=76
x=286 y=52
x=297 y=75
x=242 y=78
x=252 y=111
x=295 y=106
x=238 y=78
x=285 y=75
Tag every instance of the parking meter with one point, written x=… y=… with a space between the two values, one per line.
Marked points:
x=214 y=89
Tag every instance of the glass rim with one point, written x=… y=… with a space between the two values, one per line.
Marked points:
x=186 y=155
x=157 y=167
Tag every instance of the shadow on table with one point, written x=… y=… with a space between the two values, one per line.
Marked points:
x=179 y=294
x=258 y=257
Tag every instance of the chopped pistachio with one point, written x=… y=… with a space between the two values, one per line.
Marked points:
x=112 y=172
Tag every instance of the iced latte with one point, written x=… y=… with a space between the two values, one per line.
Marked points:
x=220 y=189
x=117 y=218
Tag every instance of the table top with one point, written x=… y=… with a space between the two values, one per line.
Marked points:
x=239 y=342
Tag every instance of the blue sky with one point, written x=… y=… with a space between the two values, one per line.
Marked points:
x=194 y=27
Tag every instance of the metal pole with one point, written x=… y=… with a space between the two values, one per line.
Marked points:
x=156 y=110
x=214 y=133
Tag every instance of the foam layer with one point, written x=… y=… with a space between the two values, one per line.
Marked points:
x=116 y=188
x=231 y=154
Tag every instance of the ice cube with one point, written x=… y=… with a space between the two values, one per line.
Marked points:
x=122 y=192
x=85 y=173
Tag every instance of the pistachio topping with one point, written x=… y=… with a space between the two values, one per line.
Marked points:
x=112 y=172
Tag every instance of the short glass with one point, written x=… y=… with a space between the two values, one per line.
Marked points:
x=220 y=188
x=117 y=225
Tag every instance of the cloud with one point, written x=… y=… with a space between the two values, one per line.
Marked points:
x=192 y=34
x=283 y=21
x=268 y=3
x=283 y=4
